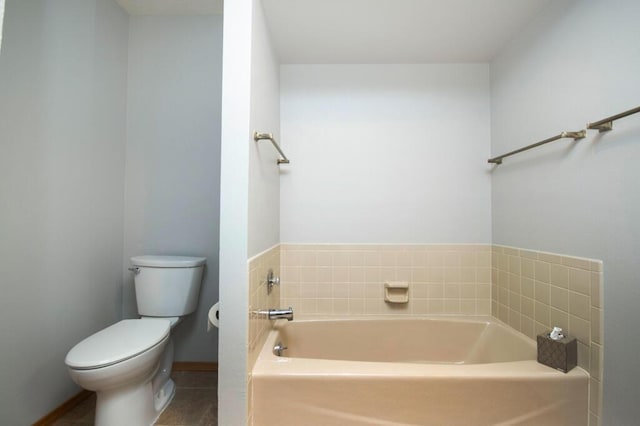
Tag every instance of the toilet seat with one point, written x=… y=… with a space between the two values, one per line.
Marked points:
x=118 y=342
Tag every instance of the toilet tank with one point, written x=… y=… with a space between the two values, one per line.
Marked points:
x=167 y=286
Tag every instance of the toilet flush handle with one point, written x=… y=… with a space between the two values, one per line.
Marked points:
x=135 y=270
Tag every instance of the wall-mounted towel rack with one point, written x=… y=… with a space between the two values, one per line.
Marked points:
x=257 y=136
x=606 y=124
x=564 y=135
x=603 y=125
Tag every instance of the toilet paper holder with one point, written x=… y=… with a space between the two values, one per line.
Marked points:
x=213 y=317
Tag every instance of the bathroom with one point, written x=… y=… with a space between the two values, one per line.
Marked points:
x=569 y=63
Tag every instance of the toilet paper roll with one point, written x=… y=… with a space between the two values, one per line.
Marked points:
x=214 y=317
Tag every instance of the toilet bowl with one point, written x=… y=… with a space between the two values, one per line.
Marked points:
x=119 y=363
x=128 y=364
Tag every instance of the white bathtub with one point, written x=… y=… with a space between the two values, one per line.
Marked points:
x=425 y=371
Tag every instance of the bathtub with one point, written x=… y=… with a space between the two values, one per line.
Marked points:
x=418 y=371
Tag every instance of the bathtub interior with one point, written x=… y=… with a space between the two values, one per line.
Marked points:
x=357 y=372
x=421 y=341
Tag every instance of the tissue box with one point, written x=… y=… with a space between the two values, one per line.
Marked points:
x=560 y=354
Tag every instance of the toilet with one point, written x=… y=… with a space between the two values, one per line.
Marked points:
x=128 y=364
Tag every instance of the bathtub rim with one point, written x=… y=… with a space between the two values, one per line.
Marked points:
x=268 y=364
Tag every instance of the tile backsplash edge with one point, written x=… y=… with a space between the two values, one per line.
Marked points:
x=533 y=291
x=259 y=299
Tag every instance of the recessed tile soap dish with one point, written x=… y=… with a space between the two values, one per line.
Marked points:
x=396 y=292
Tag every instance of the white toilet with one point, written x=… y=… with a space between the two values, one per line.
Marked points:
x=128 y=364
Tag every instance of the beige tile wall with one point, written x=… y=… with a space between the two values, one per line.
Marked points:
x=259 y=300
x=340 y=279
x=534 y=291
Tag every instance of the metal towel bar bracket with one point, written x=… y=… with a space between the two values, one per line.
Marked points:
x=606 y=124
x=257 y=136
x=603 y=125
x=573 y=135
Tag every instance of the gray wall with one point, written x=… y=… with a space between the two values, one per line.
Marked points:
x=63 y=126
x=172 y=183
x=63 y=71
x=579 y=62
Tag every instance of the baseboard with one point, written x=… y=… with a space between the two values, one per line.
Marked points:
x=63 y=409
x=195 y=366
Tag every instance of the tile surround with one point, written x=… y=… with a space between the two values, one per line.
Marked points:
x=259 y=299
x=259 y=326
x=533 y=291
x=348 y=279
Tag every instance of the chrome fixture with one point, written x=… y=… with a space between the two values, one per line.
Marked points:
x=135 y=270
x=278 y=348
x=272 y=280
x=257 y=136
x=275 y=314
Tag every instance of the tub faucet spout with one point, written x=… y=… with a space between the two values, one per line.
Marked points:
x=274 y=314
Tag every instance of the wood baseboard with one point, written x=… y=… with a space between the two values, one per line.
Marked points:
x=70 y=404
x=63 y=409
x=195 y=366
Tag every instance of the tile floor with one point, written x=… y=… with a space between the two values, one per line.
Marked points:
x=195 y=403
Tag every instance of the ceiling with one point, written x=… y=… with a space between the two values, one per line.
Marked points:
x=172 y=7
x=376 y=31
x=395 y=31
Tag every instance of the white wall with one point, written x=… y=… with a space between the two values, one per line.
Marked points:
x=385 y=154
x=249 y=191
x=264 y=172
x=63 y=70
x=579 y=62
x=234 y=216
x=1 y=20
x=173 y=157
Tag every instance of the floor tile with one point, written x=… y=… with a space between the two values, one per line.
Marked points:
x=82 y=414
x=210 y=417
x=194 y=404
x=188 y=407
x=190 y=379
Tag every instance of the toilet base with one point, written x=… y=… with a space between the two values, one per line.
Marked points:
x=163 y=397
x=138 y=404
x=134 y=406
x=126 y=406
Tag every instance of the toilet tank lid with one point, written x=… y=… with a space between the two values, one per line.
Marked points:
x=168 y=261
x=118 y=342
